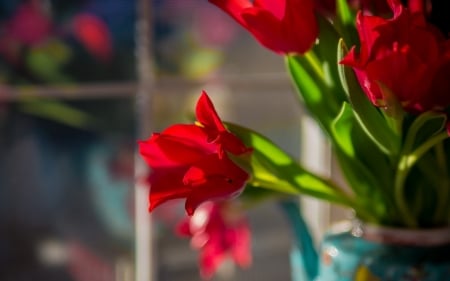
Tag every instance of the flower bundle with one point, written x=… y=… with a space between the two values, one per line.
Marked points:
x=375 y=77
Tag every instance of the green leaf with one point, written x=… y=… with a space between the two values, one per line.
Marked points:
x=344 y=13
x=308 y=77
x=58 y=112
x=372 y=121
x=341 y=130
x=424 y=126
x=413 y=151
x=326 y=51
x=345 y=22
x=361 y=179
x=273 y=169
x=254 y=195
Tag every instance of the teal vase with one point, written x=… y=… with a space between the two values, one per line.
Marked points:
x=372 y=253
x=358 y=252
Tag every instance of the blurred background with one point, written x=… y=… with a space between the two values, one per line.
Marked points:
x=80 y=82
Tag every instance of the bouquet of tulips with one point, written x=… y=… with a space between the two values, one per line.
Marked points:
x=374 y=75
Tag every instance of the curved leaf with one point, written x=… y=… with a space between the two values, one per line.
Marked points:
x=362 y=180
x=272 y=168
x=309 y=79
x=424 y=126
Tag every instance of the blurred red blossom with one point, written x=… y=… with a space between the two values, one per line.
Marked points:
x=30 y=25
x=218 y=230
x=94 y=34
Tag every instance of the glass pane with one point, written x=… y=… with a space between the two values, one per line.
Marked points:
x=66 y=192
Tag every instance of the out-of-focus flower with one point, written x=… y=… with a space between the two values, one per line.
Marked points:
x=85 y=265
x=214 y=28
x=94 y=34
x=28 y=26
x=405 y=54
x=218 y=230
x=191 y=161
x=285 y=26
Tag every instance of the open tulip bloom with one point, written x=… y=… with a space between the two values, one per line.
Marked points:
x=378 y=85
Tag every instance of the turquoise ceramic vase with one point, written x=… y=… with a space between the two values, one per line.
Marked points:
x=359 y=252
x=372 y=253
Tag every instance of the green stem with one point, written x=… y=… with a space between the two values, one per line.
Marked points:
x=442 y=191
x=422 y=149
x=406 y=162
x=315 y=64
x=396 y=123
x=402 y=172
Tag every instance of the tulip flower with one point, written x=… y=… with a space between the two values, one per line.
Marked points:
x=284 y=26
x=218 y=231
x=191 y=161
x=404 y=54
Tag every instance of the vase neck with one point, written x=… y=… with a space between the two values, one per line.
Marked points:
x=403 y=236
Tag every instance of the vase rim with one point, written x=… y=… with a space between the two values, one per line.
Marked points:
x=404 y=236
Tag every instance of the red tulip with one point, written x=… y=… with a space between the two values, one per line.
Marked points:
x=191 y=161
x=283 y=26
x=405 y=54
x=218 y=230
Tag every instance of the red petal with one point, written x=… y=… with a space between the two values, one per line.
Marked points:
x=207 y=115
x=352 y=59
x=195 y=176
x=277 y=33
x=233 y=7
x=167 y=184
x=393 y=70
x=191 y=135
x=277 y=8
x=210 y=259
x=266 y=28
x=178 y=145
x=214 y=189
x=233 y=144
x=274 y=23
x=368 y=34
x=182 y=228
x=396 y=6
x=213 y=126
x=241 y=248
x=218 y=179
